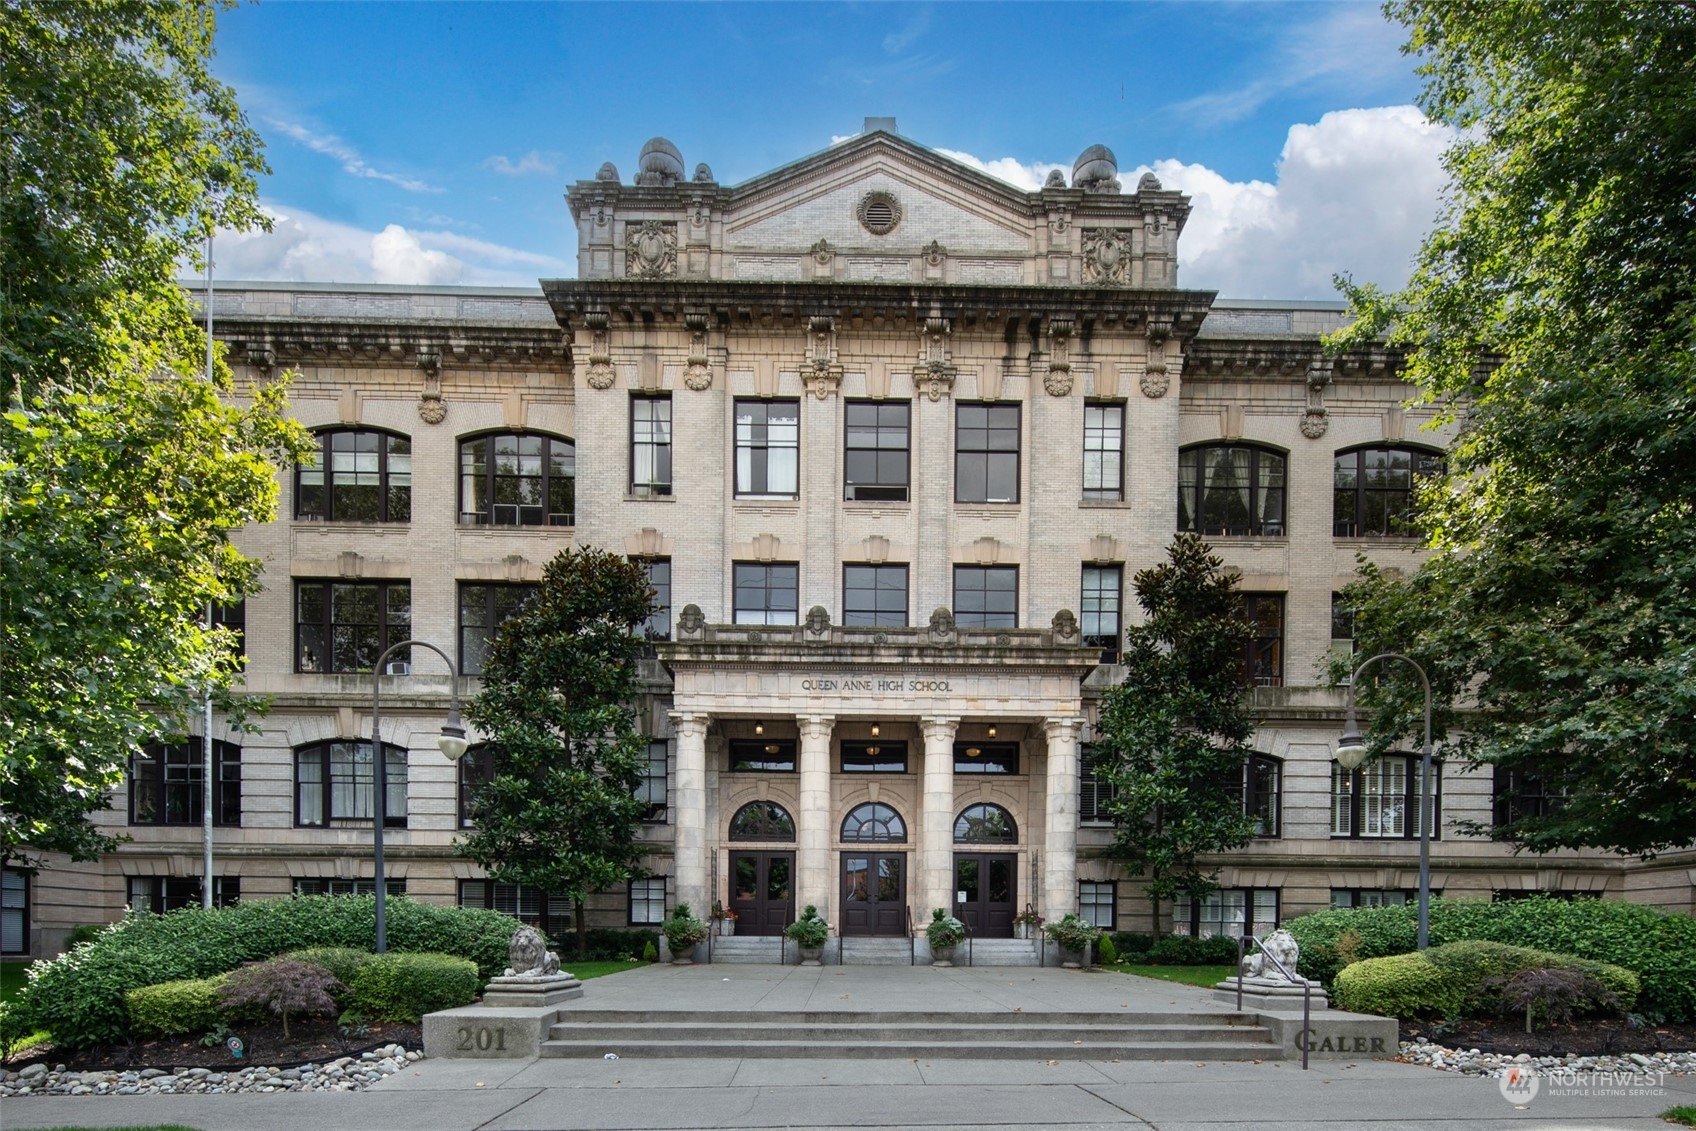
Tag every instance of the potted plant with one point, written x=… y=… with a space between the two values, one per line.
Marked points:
x=682 y=932
x=724 y=920
x=1026 y=923
x=809 y=932
x=1073 y=936
x=944 y=933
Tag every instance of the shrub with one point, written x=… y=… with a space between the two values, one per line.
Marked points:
x=1330 y=940
x=1484 y=968
x=188 y=1005
x=1469 y=979
x=1554 y=993
x=84 y=932
x=810 y=930
x=344 y=962
x=1183 y=950
x=1108 y=953
x=650 y=953
x=283 y=986
x=944 y=930
x=404 y=987
x=1132 y=942
x=1400 y=985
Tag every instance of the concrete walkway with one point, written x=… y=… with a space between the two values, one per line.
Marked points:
x=677 y=1095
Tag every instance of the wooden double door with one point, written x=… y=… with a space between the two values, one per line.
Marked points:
x=874 y=893
x=762 y=891
x=986 y=888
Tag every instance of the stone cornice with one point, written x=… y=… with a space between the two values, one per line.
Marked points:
x=280 y=342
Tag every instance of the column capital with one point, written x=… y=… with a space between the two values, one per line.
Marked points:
x=940 y=727
x=689 y=723
x=815 y=726
x=1063 y=728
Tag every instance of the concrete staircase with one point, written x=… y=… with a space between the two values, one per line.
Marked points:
x=859 y=951
x=996 y=952
x=768 y=950
x=1200 y=1036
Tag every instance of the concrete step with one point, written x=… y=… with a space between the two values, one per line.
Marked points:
x=901 y=1050
x=876 y=951
x=751 y=948
x=996 y=952
x=912 y=1034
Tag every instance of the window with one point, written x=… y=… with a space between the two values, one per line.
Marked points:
x=234 y=618
x=334 y=782
x=1100 y=606
x=483 y=608
x=14 y=912
x=874 y=462
x=768 y=448
x=518 y=479
x=357 y=476
x=985 y=824
x=1098 y=903
x=650 y=445
x=763 y=756
x=986 y=596
x=1263 y=661
x=876 y=757
x=986 y=454
x=1519 y=795
x=1232 y=912
x=1231 y=489
x=874 y=823
x=168 y=784
x=986 y=757
x=762 y=820
x=651 y=790
x=391 y=886
x=550 y=914
x=874 y=595
x=658 y=624
x=1380 y=800
x=766 y=592
x=1342 y=623
x=1262 y=793
x=1343 y=899
x=647 y=901
x=1104 y=452
x=1377 y=490
x=1094 y=790
x=160 y=894
x=476 y=769
x=345 y=627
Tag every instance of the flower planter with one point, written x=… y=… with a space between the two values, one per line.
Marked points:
x=1021 y=930
x=726 y=927
x=810 y=955
x=942 y=956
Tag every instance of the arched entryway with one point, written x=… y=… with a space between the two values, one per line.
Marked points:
x=762 y=880
x=874 y=880
x=986 y=881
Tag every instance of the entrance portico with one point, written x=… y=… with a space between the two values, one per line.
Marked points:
x=885 y=751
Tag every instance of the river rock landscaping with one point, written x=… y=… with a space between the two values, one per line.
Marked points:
x=342 y=1074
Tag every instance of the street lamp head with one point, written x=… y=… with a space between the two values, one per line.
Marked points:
x=1351 y=747
x=452 y=741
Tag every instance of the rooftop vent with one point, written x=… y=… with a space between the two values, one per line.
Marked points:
x=887 y=125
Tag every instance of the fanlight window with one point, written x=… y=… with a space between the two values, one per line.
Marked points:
x=874 y=823
x=985 y=824
x=762 y=820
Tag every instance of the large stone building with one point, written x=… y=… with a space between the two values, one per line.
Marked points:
x=893 y=437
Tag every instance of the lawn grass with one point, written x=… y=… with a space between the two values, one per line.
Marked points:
x=586 y=970
x=149 y=1127
x=1682 y=1114
x=12 y=978
x=1188 y=975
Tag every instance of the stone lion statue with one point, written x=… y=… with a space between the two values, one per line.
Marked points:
x=1281 y=945
x=530 y=956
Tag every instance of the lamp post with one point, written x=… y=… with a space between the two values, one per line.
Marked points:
x=1351 y=752
x=451 y=741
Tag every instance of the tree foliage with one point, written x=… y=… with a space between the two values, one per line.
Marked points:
x=1174 y=735
x=1551 y=312
x=560 y=813
x=122 y=469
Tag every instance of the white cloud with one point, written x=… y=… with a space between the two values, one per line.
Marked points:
x=532 y=162
x=332 y=146
x=1020 y=174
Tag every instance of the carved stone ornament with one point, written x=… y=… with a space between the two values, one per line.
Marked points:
x=530 y=956
x=942 y=629
x=650 y=251
x=818 y=625
x=261 y=357
x=1107 y=257
x=935 y=371
x=1058 y=382
x=1065 y=627
x=1316 y=419
x=691 y=623
x=1058 y=379
x=1154 y=380
x=822 y=253
x=878 y=212
x=1315 y=422
x=697 y=374
x=821 y=375
x=431 y=410
x=935 y=253
x=600 y=374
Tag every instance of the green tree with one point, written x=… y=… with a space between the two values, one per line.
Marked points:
x=1174 y=734
x=122 y=468
x=560 y=812
x=1551 y=313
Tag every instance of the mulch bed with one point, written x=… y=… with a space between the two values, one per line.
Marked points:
x=1591 y=1037
x=310 y=1041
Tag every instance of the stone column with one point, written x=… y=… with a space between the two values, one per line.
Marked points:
x=814 y=877
x=935 y=872
x=1060 y=844
x=689 y=806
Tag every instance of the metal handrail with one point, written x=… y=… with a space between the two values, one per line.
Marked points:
x=912 y=939
x=970 y=935
x=1306 y=989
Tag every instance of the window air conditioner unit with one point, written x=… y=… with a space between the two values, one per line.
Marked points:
x=399 y=667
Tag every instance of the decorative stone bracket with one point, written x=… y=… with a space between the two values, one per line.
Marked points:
x=431 y=408
x=600 y=374
x=1058 y=380
x=1316 y=418
x=935 y=371
x=822 y=374
x=698 y=373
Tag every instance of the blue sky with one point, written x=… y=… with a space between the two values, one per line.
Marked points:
x=433 y=142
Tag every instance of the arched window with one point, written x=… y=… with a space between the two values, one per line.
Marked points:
x=1376 y=490
x=762 y=820
x=334 y=782
x=874 y=823
x=1231 y=489
x=358 y=475
x=985 y=824
x=517 y=479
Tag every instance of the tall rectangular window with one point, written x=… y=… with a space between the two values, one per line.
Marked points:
x=483 y=608
x=1099 y=607
x=874 y=464
x=986 y=596
x=874 y=595
x=14 y=912
x=334 y=782
x=1104 y=452
x=768 y=448
x=986 y=453
x=1094 y=790
x=652 y=788
x=550 y=914
x=234 y=618
x=647 y=901
x=476 y=769
x=341 y=627
x=1519 y=794
x=1098 y=903
x=650 y=445
x=1380 y=800
x=1263 y=660
x=658 y=624
x=1232 y=912
x=766 y=592
x=167 y=784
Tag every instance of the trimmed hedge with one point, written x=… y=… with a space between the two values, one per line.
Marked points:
x=79 y=997
x=1659 y=947
x=188 y=1005
x=404 y=987
x=1463 y=979
x=605 y=944
x=1183 y=950
x=1400 y=985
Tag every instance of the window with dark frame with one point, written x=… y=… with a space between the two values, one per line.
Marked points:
x=334 y=782
x=160 y=894
x=1342 y=622
x=1098 y=618
x=1098 y=903
x=1263 y=793
x=652 y=789
x=1104 y=451
x=167 y=784
x=650 y=444
x=658 y=624
x=874 y=757
x=1519 y=794
x=1263 y=659
x=476 y=769
x=1232 y=912
x=358 y=476
x=14 y=912
x=318 y=886
x=876 y=450
x=985 y=823
x=483 y=607
x=986 y=453
x=765 y=592
x=345 y=626
x=517 y=479
x=762 y=820
x=1094 y=790
x=873 y=823
x=768 y=448
x=647 y=901
x=874 y=595
x=986 y=596
x=1231 y=489
x=1380 y=800
x=994 y=758
x=550 y=914
x=1345 y=899
x=234 y=618
x=762 y=755
x=1376 y=490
